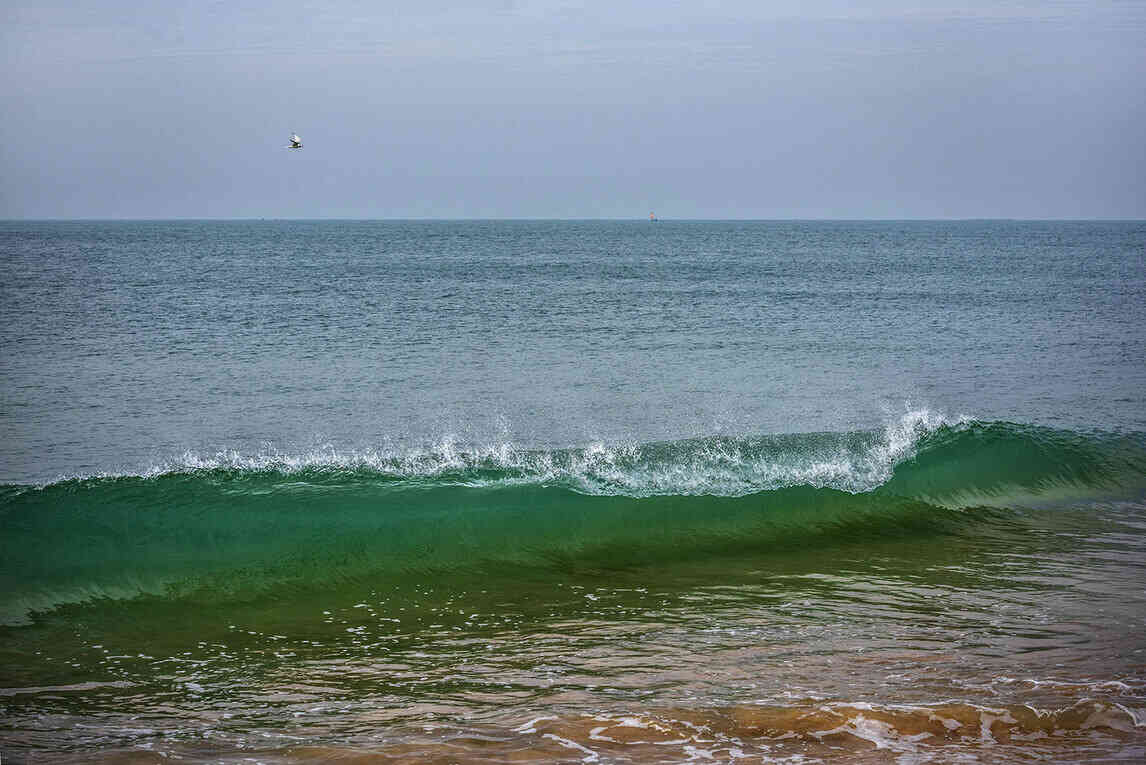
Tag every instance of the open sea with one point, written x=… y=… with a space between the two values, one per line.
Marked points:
x=560 y=491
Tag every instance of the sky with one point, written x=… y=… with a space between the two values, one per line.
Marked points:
x=552 y=109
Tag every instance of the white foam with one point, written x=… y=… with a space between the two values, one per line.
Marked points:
x=881 y=734
x=719 y=466
x=531 y=726
x=1137 y=716
x=590 y=755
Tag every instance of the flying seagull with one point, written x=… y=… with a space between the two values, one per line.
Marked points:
x=295 y=142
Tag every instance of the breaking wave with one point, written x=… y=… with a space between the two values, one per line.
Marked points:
x=230 y=526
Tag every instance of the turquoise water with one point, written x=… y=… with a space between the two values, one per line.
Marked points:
x=573 y=491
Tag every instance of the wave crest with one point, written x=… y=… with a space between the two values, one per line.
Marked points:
x=716 y=465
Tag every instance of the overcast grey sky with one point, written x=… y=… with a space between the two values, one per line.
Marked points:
x=544 y=108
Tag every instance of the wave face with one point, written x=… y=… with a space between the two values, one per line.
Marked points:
x=235 y=528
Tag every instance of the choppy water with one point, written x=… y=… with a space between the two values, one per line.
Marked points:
x=573 y=491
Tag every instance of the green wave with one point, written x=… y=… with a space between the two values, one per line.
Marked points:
x=1006 y=464
x=233 y=532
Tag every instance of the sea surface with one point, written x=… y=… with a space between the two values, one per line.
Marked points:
x=572 y=491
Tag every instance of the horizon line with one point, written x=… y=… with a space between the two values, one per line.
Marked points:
x=85 y=219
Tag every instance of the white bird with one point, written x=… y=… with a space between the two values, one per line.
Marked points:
x=295 y=142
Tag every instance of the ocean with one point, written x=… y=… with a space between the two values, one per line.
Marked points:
x=572 y=491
